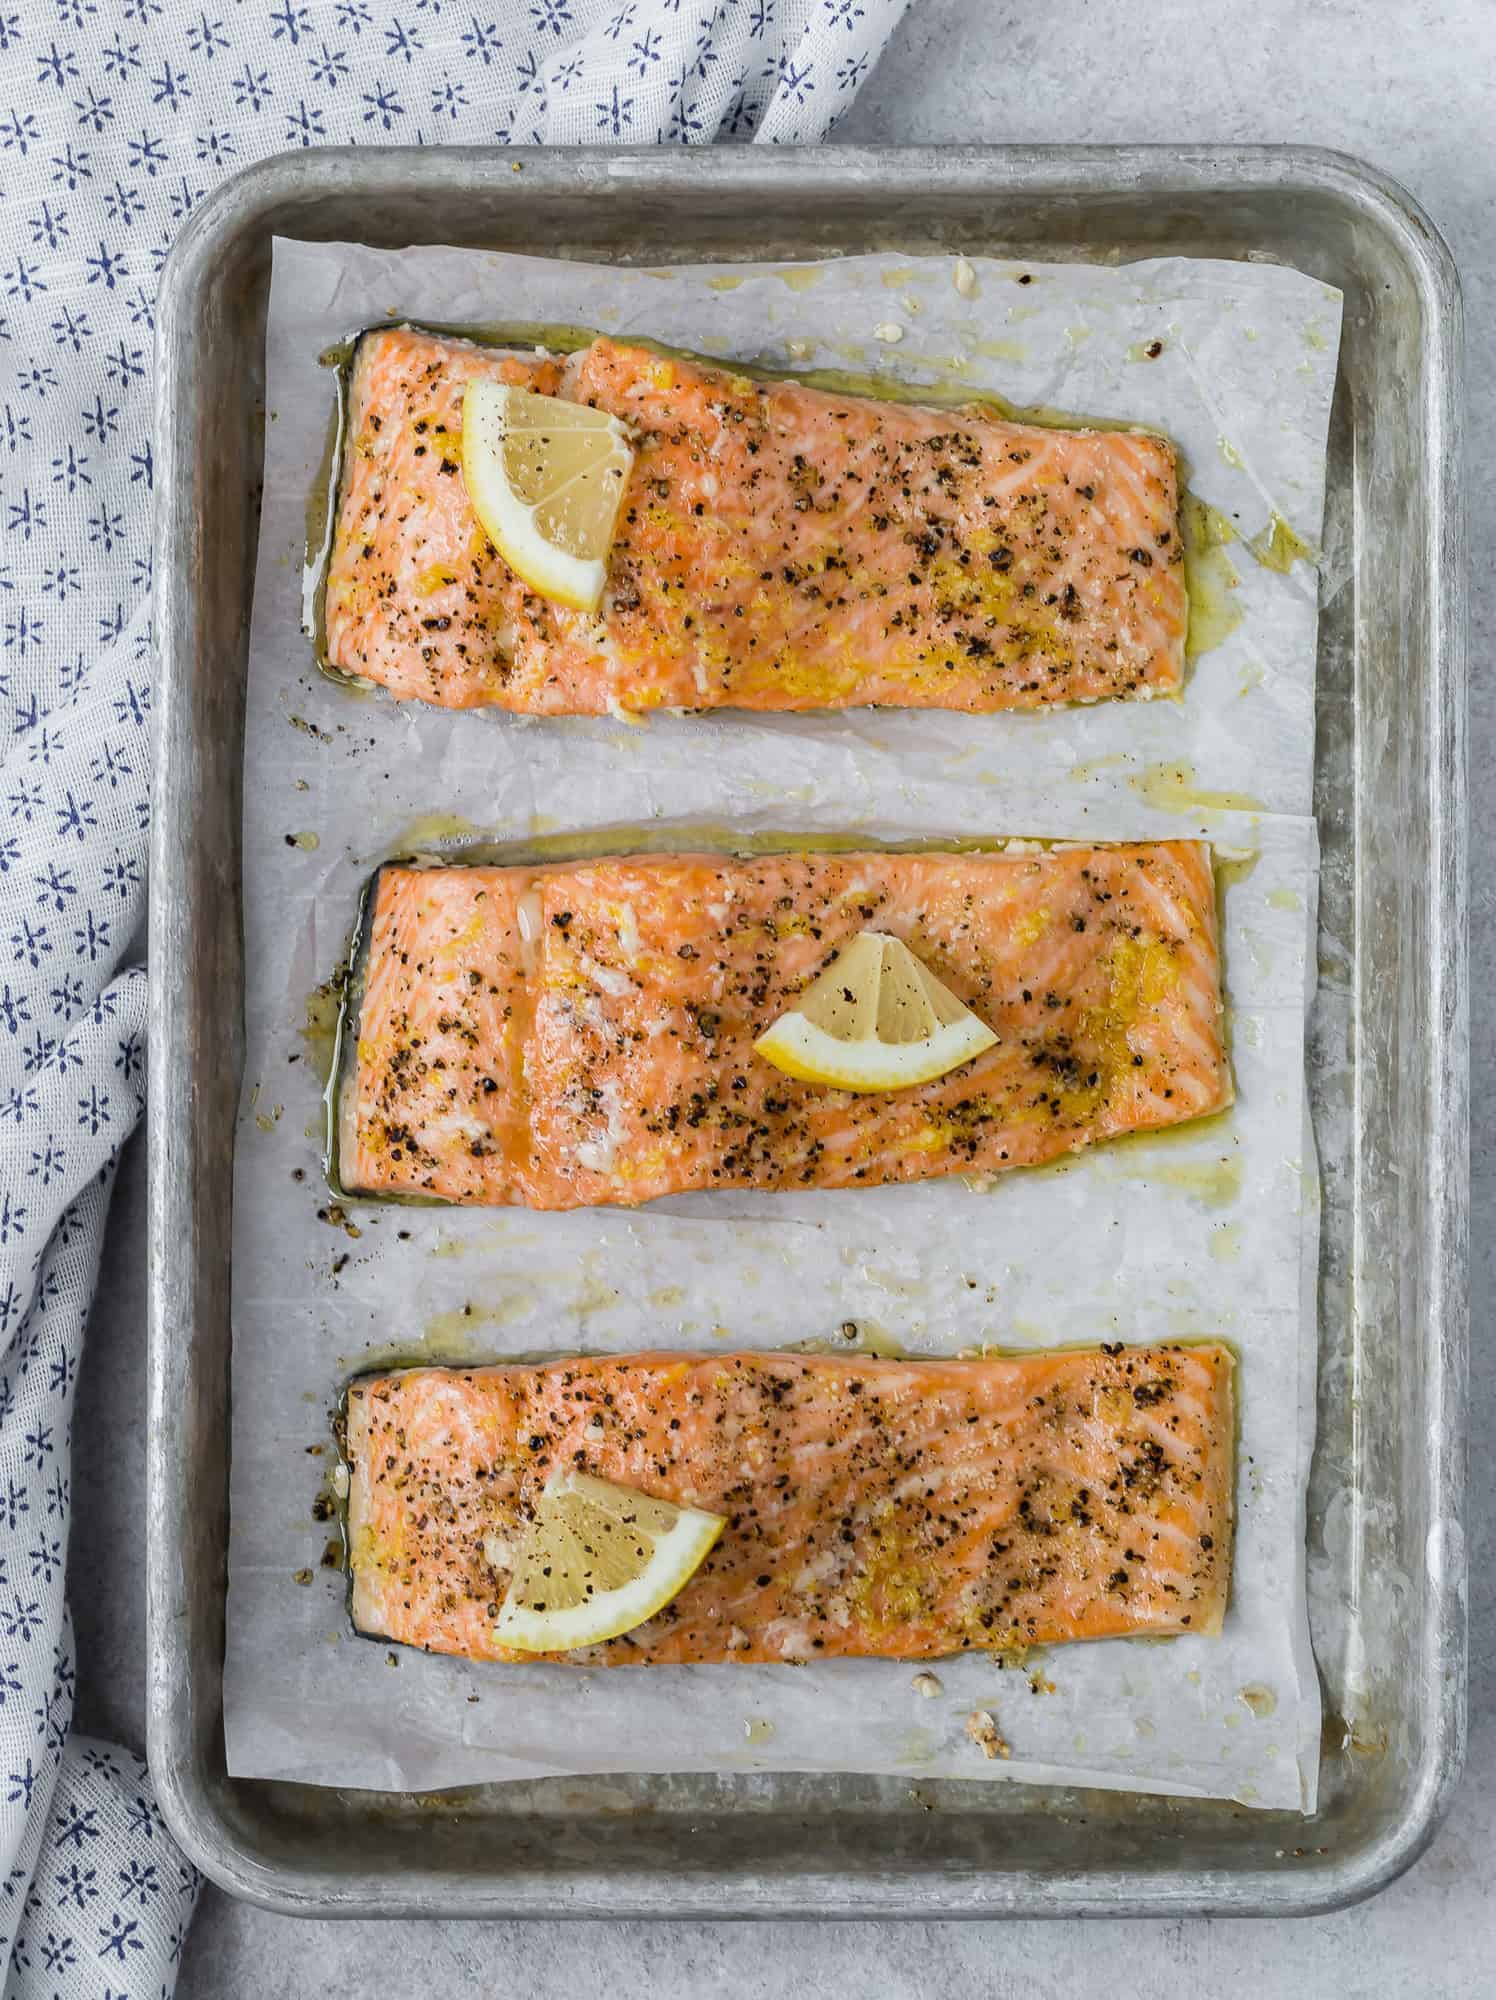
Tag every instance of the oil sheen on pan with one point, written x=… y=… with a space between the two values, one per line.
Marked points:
x=780 y=547
x=578 y=1035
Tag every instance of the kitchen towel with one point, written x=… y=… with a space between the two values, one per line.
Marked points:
x=117 y=117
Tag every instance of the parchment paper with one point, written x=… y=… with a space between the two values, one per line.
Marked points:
x=1201 y=1233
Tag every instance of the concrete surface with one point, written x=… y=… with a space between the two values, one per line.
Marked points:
x=1411 y=85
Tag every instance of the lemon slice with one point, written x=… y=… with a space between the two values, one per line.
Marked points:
x=546 y=479
x=597 y=1560
x=876 y=1019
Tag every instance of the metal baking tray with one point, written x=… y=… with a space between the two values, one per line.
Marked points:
x=1384 y=1530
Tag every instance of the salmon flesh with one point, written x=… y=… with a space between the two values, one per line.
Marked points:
x=779 y=547
x=902 y=1509
x=578 y=1035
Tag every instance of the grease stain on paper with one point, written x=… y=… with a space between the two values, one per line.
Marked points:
x=1210 y=577
x=1172 y=788
x=1277 y=547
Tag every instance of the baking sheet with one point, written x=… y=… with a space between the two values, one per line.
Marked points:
x=1209 y=1232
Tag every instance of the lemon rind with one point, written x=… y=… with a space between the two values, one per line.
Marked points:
x=800 y=1049
x=576 y=582
x=677 y=1557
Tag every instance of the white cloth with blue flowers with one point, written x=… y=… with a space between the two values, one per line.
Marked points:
x=116 y=118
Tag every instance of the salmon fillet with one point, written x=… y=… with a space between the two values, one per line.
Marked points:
x=903 y=1509
x=561 y=1037
x=779 y=548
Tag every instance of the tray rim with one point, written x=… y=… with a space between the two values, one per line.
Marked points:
x=206 y=1831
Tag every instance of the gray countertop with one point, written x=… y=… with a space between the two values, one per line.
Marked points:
x=1411 y=86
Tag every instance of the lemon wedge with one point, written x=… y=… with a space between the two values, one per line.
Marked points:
x=597 y=1560
x=546 y=479
x=876 y=1019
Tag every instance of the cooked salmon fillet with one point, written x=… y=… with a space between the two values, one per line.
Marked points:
x=898 y=1508
x=779 y=548
x=566 y=1036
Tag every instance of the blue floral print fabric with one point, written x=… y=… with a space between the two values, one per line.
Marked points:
x=117 y=118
